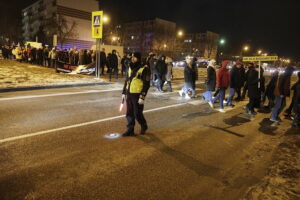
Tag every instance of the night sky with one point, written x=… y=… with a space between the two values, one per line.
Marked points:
x=273 y=26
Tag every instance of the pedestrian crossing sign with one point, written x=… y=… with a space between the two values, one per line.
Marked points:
x=97 y=24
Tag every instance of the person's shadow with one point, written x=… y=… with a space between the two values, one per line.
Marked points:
x=193 y=164
x=267 y=128
x=236 y=120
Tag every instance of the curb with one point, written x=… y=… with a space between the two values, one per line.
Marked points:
x=50 y=87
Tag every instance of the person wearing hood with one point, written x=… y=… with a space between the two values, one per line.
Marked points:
x=223 y=78
x=135 y=89
x=161 y=68
x=210 y=82
x=282 y=90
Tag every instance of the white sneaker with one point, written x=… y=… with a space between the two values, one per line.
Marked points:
x=221 y=110
x=211 y=104
x=187 y=97
x=180 y=93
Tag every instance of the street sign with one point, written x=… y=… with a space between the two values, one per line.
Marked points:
x=97 y=24
x=260 y=58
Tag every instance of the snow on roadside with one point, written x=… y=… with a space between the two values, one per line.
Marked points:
x=14 y=74
x=282 y=181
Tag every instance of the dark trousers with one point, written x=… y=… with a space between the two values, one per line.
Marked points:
x=134 y=112
x=102 y=65
x=114 y=71
x=252 y=103
x=290 y=108
x=297 y=116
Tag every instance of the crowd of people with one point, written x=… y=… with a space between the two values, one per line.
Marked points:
x=242 y=79
x=47 y=57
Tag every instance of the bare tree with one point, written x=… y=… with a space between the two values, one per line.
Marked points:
x=211 y=44
x=64 y=29
x=163 y=40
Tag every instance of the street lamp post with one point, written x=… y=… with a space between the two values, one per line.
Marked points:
x=221 y=44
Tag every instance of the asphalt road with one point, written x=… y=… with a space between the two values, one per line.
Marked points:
x=53 y=146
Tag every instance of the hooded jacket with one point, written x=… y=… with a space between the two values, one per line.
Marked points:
x=223 y=76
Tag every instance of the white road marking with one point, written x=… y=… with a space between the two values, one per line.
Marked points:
x=57 y=94
x=81 y=124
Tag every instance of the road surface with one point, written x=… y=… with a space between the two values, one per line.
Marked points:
x=53 y=145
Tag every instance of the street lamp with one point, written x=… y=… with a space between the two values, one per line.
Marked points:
x=246 y=48
x=114 y=38
x=105 y=19
x=222 y=41
x=259 y=52
x=180 y=33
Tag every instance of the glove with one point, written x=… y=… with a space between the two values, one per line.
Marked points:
x=123 y=97
x=141 y=101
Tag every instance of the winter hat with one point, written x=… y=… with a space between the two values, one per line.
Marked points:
x=138 y=55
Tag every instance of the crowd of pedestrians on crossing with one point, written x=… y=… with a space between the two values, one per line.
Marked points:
x=241 y=79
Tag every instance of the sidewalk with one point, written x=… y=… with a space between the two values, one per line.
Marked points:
x=15 y=75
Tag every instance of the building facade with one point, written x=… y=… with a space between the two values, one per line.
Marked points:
x=155 y=35
x=200 y=45
x=67 y=20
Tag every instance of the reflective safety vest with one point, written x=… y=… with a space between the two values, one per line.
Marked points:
x=136 y=84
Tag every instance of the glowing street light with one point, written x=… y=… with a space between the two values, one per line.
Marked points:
x=180 y=33
x=114 y=38
x=246 y=48
x=222 y=41
x=105 y=19
x=259 y=52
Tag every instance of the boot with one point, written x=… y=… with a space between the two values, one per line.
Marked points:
x=144 y=129
x=128 y=133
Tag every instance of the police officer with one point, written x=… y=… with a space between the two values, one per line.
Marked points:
x=134 y=92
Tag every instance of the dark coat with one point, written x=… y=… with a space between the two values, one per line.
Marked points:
x=271 y=87
x=189 y=74
x=113 y=61
x=161 y=67
x=102 y=58
x=252 y=82
x=211 y=79
x=235 y=78
x=242 y=72
x=297 y=95
x=283 y=86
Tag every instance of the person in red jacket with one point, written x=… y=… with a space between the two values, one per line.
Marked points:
x=223 y=80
